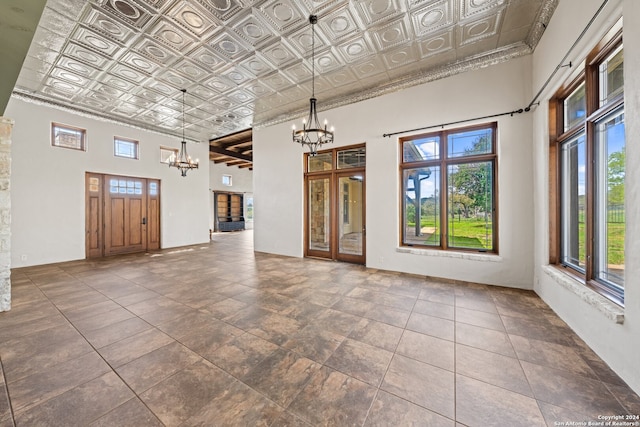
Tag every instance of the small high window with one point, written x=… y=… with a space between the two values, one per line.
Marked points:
x=123 y=147
x=68 y=137
x=166 y=154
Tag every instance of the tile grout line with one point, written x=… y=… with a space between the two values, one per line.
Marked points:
x=95 y=350
x=6 y=389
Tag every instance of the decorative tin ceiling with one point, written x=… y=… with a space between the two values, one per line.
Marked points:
x=247 y=63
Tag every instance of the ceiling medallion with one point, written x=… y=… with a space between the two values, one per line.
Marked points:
x=312 y=134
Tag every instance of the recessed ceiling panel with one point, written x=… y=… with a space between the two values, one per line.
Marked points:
x=249 y=62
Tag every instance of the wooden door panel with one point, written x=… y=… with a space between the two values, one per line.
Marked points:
x=116 y=214
x=122 y=215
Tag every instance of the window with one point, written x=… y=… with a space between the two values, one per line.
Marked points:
x=68 y=137
x=588 y=228
x=166 y=154
x=226 y=180
x=449 y=189
x=123 y=147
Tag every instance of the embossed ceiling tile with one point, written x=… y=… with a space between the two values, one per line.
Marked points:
x=520 y=14
x=301 y=40
x=298 y=72
x=258 y=89
x=207 y=58
x=229 y=45
x=252 y=28
x=256 y=65
x=70 y=77
x=96 y=42
x=102 y=98
x=128 y=11
x=341 y=77
x=284 y=15
x=295 y=93
x=432 y=17
x=108 y=26
x=157 y=5
x=202 y=93
x=236 y=74
x=161 y=88
x=400 y=56
x=327 y=61
x=126 y=110
x=140 y=63
x=108 y=90
x=77 y=67
x=193 y=17
x=49 y=39
x=241 y=96
x=190 y=70
x=338 y=25
x=92 y=103
x=356 y=48
x=173 y=79
x=437 y=44
x=279 y=54
x=276 y=81
x=141 y=103
x=219 y=84
x=243 y=111
x=86 y=55
x=226 y=103
x=475 y=7
x=128 y=73
x=62 y=91
x=483 y=28
x=368 y=67
x=222 y=9
x=149 y=94
x=391 y=34
x=164 y=31
x=154 y=50
x=375 y=11
x=118 y=83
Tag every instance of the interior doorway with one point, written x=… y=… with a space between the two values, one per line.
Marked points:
x=122 y=215
x=335 y=205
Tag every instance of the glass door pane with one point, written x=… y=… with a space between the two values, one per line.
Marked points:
x=350 y=215
x=319 y=215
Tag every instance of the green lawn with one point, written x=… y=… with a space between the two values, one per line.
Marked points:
x=463 y=233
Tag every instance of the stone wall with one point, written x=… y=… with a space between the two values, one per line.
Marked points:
x=6 y=126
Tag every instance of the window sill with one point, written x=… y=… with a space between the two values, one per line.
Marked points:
x=473 y=256
x=608 y=308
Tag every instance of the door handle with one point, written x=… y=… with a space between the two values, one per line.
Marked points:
x=144 y=221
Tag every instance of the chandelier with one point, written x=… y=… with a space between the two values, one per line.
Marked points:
x=183 y=160
x=312 y=133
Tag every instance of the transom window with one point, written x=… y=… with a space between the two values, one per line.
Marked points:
x=123 y=147
x=449 y=189
x=588 y=225
x=68 y=137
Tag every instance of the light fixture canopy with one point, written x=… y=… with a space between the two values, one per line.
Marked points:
x=312 y=133
x=183 y=161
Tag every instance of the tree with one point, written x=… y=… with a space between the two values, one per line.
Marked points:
x=472 y=182
x=615 y=177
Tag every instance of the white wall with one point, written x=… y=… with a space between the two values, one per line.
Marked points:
x=47 y=183
x=583 y=310
x=278 y=173
x=241 y=180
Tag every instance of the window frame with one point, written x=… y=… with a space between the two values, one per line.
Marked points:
x=83 y=136
x=443 y=162
x=588 y=74
x=136 y=144
x=173 y=151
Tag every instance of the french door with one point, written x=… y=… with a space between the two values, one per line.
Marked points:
x=335 y=205
x=122 y=215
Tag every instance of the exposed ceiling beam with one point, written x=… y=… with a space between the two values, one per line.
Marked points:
x=234 y=154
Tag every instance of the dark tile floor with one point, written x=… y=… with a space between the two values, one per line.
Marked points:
x=217 y=335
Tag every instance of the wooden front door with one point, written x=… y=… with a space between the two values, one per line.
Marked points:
x=123 y=215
